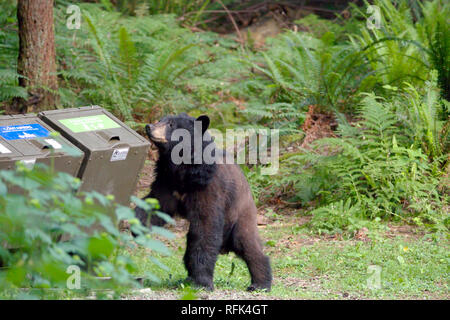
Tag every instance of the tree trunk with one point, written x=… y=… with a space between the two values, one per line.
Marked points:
x=37 y=58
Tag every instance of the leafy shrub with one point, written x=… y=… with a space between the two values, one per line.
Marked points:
x=32 y=223
x=422 y=108
x=406 y=47
x=9 y=85
x=125 y=64
x=341 y=218
x=138 y=67
x=9 y=46
x=300 y=70
x=394 y=60
x=143 y=67
x=435 y=35
x=373 y=166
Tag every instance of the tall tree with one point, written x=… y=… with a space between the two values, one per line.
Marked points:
x=37 y=58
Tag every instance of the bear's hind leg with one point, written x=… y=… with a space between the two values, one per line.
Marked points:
x=249 y=249
x=202 y=250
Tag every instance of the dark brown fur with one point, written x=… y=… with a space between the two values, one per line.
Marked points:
x=219 y=206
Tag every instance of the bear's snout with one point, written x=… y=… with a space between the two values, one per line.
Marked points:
x=157 y=132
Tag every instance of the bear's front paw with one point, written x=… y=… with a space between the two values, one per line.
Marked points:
x=201 y=283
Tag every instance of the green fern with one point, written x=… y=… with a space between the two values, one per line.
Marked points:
x=435 y=34
x=127 y=57
x=423 y=109
x=304 y=70
x=9 y=85
x=372 y=166
x=403 y=50
x=122 y=63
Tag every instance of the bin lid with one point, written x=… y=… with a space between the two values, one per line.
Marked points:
x=93 y=128
x=27 y=136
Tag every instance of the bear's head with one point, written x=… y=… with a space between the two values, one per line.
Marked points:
x=176 y=130
x=181 y=140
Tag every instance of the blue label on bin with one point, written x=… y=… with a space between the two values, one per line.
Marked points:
x=23 y=131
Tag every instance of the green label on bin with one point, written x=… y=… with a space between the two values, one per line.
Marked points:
x=90 y=123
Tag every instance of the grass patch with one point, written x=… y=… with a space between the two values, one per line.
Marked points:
x=307 y=267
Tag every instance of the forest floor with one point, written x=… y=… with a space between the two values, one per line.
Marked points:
x=408 y=263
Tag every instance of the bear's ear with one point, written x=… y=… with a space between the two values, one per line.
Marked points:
x=205 y=122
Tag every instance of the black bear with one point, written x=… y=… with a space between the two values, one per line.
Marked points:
x=214 y=197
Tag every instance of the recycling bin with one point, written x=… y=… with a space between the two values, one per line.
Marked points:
x=114 y=153
x=28 y=139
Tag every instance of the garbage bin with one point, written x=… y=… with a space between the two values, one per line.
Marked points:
x=114 y=154
x=27 y=138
